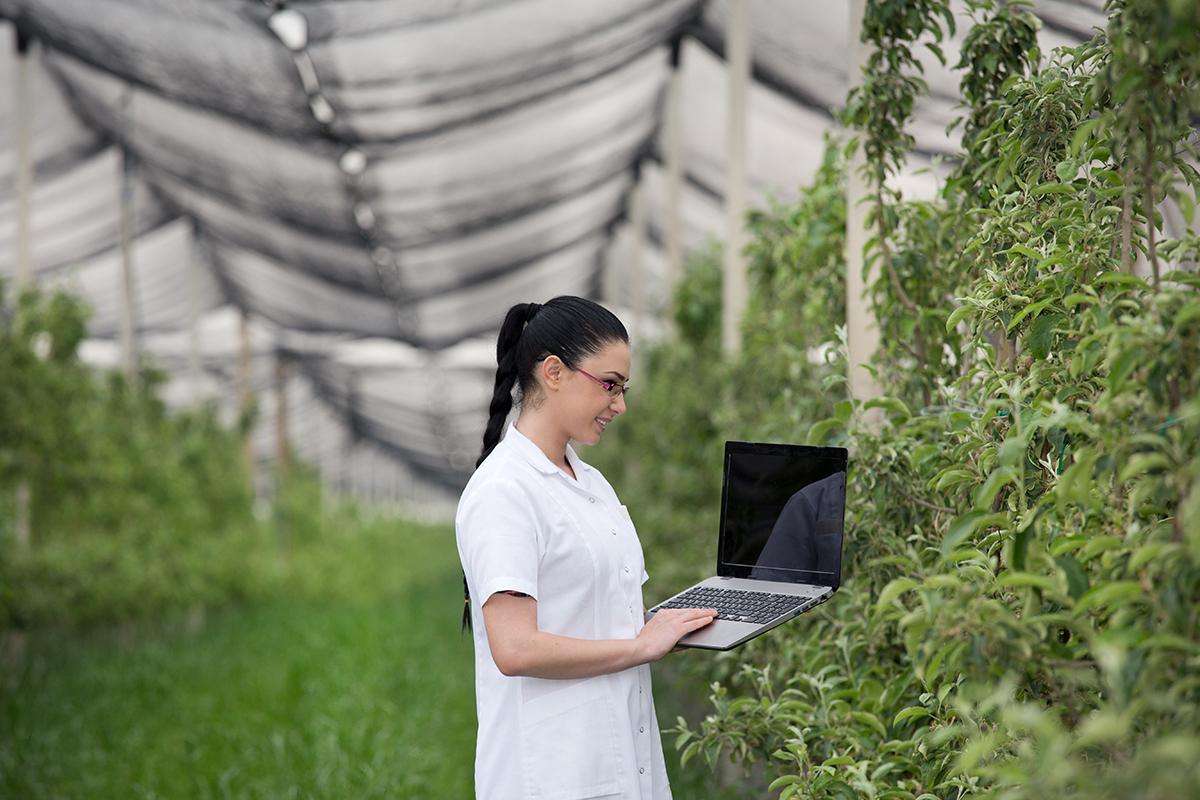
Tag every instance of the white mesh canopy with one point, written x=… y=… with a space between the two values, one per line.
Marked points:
x=374 y=182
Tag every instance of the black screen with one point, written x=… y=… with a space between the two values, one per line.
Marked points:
x=782 y=513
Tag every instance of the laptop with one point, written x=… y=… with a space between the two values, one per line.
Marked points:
x=779 y=553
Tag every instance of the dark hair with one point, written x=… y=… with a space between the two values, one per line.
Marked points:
x=569 y=327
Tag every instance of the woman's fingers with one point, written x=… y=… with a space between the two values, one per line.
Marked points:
x=690 y=619
x=690 y=613
x=707 y=613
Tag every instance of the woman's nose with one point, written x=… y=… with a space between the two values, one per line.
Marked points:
x=618 y=404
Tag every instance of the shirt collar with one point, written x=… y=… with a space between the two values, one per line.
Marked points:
x=534 y=455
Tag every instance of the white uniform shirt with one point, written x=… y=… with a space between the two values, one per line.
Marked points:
x=525 y=525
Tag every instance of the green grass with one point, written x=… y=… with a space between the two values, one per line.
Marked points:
x=294 y=697
x=354 y=684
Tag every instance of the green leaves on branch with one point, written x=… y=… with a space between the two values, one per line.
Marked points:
x=1023 y=548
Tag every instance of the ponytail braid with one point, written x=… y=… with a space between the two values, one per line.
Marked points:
x=506 y=373
x=507 y=376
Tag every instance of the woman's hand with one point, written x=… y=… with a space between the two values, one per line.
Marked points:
x=668 y=626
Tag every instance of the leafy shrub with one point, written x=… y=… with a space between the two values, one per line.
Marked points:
x=1023 y=548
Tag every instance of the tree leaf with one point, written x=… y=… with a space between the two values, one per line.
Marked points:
x=912 y=712
x=783 y=780
x=1083 y=132
x=1072 y=300
x=1013 y=579
x=951 y=477
x=1117 y=593
x=1122 y=279
x=894 y=588
x=956 y=316
x=1052 y=187
x=966 y=525
x=1122 y=366
x=1141 y=463
x=1040 y=338
x=997 y=480
x=1032 y=308
x=1077 y=579
x=871 y=721
x=1025 y=250
x=820 y=430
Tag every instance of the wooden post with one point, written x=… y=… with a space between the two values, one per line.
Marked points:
x=371 y=477
x=637 y=224
x=245 y=398
x=283 y=453
x=733 y=283
x=194 y=344
x=349 y=470
x=128 y=320
x=674 y=162
x=282 y=458
x=637 y=268
x=346 y=465
x=330 y=486
x=23 y=102
x=862 y=331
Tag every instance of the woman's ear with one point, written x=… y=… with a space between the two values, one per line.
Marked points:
x=554 y=372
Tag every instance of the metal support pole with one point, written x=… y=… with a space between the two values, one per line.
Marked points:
x=733 y=284
x=862 y=331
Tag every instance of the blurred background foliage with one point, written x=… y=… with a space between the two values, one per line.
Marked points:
x=132 y=511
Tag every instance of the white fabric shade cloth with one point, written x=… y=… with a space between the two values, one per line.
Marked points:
x=348 y=171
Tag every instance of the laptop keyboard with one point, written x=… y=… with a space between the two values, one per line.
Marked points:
x=736 y=605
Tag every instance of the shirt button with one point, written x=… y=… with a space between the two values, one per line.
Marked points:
x=641 y=729
x=627 y=569
x=614 y=531
x=642 y=770
x=591 y=499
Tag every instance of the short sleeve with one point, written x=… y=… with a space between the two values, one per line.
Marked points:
x=498 y=540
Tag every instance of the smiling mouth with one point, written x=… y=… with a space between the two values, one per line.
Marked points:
x=603 y=423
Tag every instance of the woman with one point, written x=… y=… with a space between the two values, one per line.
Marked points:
x=553 y=570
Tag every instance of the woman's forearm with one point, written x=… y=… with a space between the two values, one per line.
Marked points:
x=546 y=655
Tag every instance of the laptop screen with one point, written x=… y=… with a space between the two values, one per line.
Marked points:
x=782 y=513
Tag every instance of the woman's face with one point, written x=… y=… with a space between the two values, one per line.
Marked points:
x=584 y=407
